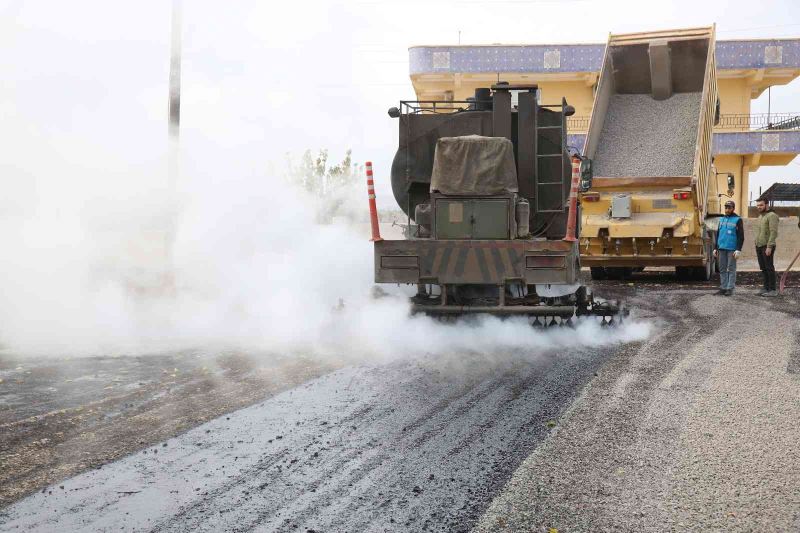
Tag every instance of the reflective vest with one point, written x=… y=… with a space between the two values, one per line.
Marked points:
x=727 y=233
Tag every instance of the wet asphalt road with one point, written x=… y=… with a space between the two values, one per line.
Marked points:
x=409 y=446
x=62 y=416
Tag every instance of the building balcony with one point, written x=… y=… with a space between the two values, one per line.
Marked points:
x=759 y=122
x=736 y=55
x=578 y=124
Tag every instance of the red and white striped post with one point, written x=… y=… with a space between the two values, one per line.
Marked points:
x=572 y=215
x=373 y=209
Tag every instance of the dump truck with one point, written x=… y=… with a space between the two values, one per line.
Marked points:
x=654 y=191
x=486 y=186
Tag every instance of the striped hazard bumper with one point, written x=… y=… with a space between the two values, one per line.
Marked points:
x=475 y=262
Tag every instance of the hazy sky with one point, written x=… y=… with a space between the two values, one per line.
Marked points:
x=84 y=82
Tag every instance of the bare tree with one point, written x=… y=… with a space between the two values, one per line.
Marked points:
x=328 y=184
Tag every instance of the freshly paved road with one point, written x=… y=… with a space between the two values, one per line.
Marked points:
x=406 y=446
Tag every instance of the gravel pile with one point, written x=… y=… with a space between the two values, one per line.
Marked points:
x=646 y=137
x=697 y=431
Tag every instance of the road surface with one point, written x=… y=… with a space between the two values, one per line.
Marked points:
x=626 y=437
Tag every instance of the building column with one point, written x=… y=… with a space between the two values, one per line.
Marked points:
x=745 y=191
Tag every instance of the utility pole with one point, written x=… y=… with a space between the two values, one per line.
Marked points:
x=175 y=73
x=173 y=133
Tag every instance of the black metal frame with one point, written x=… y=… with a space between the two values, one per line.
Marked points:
x=412 y=107
x=560 y=155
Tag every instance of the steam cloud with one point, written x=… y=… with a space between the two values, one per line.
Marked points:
x=252 y=271
x=86 y=214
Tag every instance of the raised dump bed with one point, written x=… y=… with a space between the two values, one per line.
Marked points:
x=664 y=139
x=649 y=141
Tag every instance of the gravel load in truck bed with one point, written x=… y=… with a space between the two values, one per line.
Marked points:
x=646 y=137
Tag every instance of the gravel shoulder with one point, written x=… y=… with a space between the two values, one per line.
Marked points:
x=697 y=429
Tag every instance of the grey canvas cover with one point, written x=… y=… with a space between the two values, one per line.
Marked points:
x=474 y=165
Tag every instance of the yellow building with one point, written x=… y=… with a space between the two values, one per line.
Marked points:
x=745 y=69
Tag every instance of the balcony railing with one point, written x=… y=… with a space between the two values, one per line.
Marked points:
x=759 y=121
x=751 y=122
x=577 y=124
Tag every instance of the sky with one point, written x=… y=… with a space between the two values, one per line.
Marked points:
x=86 y=80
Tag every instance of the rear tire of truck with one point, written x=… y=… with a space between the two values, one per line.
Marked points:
x=620 y=273
x=598 y=273
x=704 y=273
x=683 y=273
x=699 y=274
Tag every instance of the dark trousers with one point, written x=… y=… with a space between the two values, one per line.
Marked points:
x=767 y=265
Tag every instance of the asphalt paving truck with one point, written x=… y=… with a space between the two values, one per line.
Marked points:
x=486 y=186
x=654 y=192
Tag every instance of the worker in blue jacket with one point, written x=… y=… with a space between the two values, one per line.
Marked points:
x=730 y=238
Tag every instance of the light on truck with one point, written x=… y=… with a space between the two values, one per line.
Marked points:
x=591 y=198
x=680 y=196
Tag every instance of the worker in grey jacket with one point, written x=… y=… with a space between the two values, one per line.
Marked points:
x=728 y=248
x=766 y=232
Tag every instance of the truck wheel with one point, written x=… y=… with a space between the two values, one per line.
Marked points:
x=707 y=271
x=704 y=273
x=598 y=272
x=683 y=273
x=620 y=273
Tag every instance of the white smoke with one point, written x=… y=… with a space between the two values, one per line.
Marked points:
x=250 y=270
x=87 y=217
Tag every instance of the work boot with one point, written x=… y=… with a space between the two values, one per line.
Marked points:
x=772 y=281
x=720 y=292
x=728 y=292
x=771 y=294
